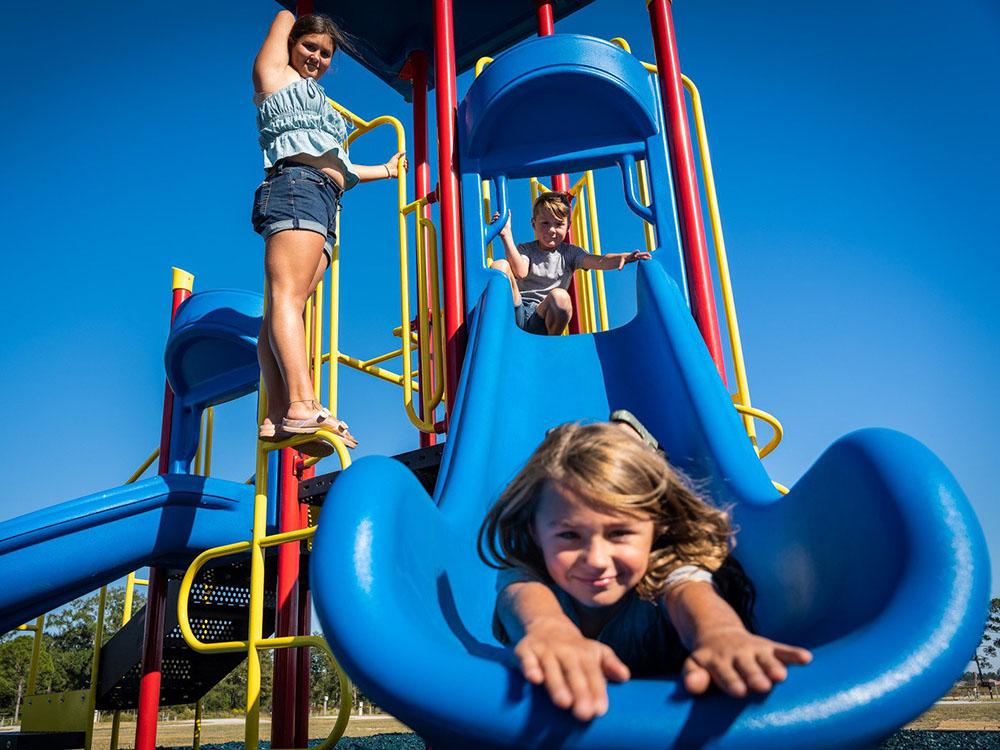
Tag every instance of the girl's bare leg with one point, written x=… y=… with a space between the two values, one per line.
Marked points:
x=293 y=265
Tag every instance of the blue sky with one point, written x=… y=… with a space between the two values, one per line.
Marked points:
x=855 y=154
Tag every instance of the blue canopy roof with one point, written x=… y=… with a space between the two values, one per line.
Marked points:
x=385 y=32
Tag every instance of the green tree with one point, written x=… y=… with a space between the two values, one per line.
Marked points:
x=15 y=663
x=989 y=646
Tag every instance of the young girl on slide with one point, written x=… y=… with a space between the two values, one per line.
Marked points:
x=607 y=558
x=295 y=209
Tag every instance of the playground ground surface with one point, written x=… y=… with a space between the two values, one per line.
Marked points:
x=950 y=724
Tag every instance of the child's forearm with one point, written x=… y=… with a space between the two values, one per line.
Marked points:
x=372 y=172
x=695 y=608
x=518 y=263
x=524 y=604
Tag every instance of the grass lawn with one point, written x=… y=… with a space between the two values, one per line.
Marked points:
x=975 y=716
x=217 y=731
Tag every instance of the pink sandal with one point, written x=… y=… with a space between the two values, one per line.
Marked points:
x=320 y=420
x=268 y=433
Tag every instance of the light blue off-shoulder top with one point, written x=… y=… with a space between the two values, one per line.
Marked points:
x=297 y=119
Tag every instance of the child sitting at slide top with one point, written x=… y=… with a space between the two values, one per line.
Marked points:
x=607 y=558
x=540 y=272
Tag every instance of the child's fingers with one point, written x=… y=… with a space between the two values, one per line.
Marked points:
x=727 y=678
x=696 y=677
x=598 y=684
x=530 y=666
x=773 y=668
x=579 y=685
x=496 y=215
x=613 y=667
x=555 y=683
x=753 y=676
x=792 y=654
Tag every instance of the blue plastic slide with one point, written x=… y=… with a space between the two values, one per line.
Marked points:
x=54 y=555
x=874 y=560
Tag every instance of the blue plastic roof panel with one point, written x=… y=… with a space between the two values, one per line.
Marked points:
x=385 y=32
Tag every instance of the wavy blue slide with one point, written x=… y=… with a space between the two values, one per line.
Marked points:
x=874 y=560
x=52 y=556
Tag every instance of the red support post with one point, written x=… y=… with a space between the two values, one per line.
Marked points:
x=287 y=604
x=304 y=668
x=417 y=69
x=303 y=657
x=560 y=182
x=692 y=227
x=446 y=101
x=156 y=592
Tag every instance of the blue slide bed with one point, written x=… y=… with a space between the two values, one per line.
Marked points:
x=52 y=556
x=874 y=560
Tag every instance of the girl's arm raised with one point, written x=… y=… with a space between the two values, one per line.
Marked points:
x=552 y=651
x=271 y=63
x=722 y=650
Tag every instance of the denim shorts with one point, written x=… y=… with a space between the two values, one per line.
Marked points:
x=529 y=320
x=297 y=196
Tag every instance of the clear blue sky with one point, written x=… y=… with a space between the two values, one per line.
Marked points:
x=855 y=153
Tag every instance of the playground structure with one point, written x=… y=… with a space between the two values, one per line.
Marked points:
x=884 y=650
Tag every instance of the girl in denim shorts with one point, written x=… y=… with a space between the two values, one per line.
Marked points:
x=295 y=209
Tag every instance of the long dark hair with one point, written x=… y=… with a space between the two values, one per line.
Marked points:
x=316 y=23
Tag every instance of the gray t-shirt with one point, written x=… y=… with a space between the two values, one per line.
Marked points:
x=547 y=270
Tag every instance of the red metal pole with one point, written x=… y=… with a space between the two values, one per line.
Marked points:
x=303 y=665
x=560 y=182
x=156 y=591
x=286 y=618
x=422 y=186
x=446 y=101
x=692 y=227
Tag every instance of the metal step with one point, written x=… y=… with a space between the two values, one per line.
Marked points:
x=218 y=610
x=423 y=462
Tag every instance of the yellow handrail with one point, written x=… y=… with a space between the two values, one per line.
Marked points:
x=255 y=642
x=750 y=411
x=742 y=397
x=430 y=327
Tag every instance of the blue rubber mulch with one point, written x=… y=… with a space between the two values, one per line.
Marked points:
x=902 y=740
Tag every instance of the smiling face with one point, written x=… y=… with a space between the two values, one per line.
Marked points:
x=550 y=230
x=595 y=557
x=310 y=55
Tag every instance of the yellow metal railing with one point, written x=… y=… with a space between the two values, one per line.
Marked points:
x=742 y=397
x=255 y=642
x=430 y=329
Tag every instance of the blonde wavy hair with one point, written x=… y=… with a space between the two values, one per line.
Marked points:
x=611 y=472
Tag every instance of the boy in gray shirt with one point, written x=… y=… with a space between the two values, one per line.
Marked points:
x=540 y=272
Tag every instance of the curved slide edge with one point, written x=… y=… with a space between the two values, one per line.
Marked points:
x=877 y=505
x=52 y=556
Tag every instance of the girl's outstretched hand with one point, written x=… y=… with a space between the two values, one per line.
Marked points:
x=394 y=163
x=575 y=670
x=738 y=662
